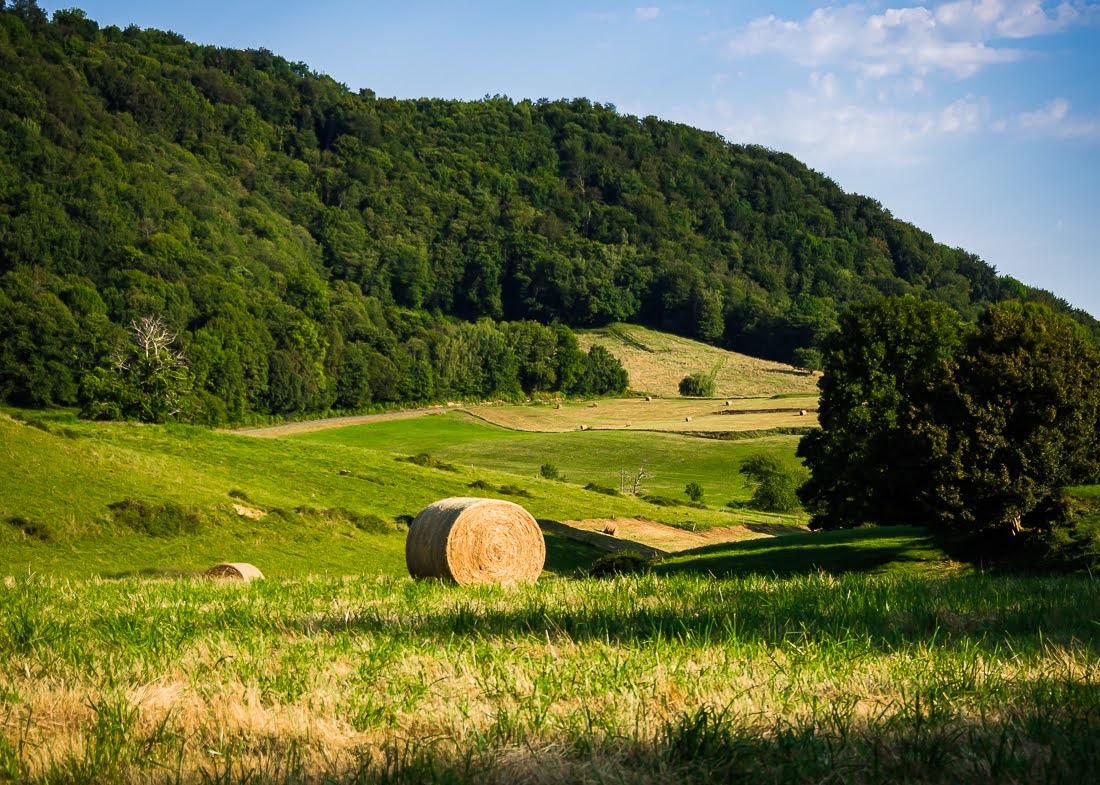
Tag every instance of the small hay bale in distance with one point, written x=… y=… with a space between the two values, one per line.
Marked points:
x=475 y=541
x=234 y=571
x=611 y=529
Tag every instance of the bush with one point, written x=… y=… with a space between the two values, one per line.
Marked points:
x=620 y=563
x=698 y=385
x=429 y=461
x=156 y=520
x=36 y=530
x=549 y=471
x=694 y=491
x=601 y=489
x=776 y=485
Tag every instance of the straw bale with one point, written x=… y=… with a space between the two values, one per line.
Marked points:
x=473 y=541
x=237 y=571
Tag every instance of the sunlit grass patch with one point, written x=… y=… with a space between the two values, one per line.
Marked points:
x=639 y=678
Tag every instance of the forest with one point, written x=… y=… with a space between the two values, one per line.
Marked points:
x=310 y=248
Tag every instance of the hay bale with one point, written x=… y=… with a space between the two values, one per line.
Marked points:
x=611 y=529
x=473 y=541
x=801 y=412
x=557 y=406
x=687 y=419
x=234 y=571
x=649 y=397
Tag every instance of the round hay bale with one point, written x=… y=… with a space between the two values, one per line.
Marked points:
x=473 y=541
x=234 y=571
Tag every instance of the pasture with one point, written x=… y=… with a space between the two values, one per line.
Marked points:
x=583 y=457
x=657 y=361
x=746 y=653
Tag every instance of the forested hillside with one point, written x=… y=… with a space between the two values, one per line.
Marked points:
x=316 y=248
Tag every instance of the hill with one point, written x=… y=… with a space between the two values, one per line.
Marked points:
x=313 y=248
x=115 y=499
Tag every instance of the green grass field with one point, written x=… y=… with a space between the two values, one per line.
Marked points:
x=860 y=656
x=85 y=499
x=674 y=678
x=582 y=456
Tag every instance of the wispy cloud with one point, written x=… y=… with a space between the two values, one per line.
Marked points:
x=1056 y=119
x=959 y=37
x=826 y=126
x=647 y=13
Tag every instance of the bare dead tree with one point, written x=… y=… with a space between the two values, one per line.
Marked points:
x=634 y=479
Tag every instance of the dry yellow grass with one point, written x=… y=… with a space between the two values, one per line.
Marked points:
x=670 y=539
x=658 y=361
x=659 y=414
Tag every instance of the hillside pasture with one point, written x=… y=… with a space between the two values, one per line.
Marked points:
x=109 y=499
x=592 y=456
x=657 y=361
x=674 y=415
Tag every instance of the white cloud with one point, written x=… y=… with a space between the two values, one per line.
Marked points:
x=647 y=14
x=958 y=38
x=827 y=127
x=1056 y=119
x=1050 y=116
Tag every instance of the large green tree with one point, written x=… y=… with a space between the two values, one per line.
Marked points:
x=971 y=429
x=1016 y=422
x=869 y=460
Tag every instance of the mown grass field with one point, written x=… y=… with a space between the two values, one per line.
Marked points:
x=678 y=415
x=657 y=362
x=581 y=456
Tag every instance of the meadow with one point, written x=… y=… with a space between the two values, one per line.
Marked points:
x=657 y=361
x=857 y=656
x=679 y=677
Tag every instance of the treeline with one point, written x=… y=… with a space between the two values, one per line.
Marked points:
x=314 y=247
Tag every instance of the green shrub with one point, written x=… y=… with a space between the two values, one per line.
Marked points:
x=694 y=492
x=513 y=490
x=429 y=461
x=698 y=385
x=157 y=520
x=481 y=485
x=549 y=471
x=36 y=530
x=620 y=563
x=601 y=489
x=776 y=484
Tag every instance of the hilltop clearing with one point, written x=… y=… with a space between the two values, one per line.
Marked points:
x=657 y=361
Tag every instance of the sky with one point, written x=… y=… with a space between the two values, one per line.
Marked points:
x=976 y=120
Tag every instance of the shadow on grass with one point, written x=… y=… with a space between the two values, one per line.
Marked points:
x=707 y=745
x=885 y=548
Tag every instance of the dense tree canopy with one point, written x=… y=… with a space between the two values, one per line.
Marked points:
x=313 y=247
x=974 y=428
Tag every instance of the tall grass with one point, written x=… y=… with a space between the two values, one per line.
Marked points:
x=642 y=679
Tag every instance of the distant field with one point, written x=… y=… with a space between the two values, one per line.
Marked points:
x=85 y=499
x=660 y=414
x=583 y=457
x=657 y=362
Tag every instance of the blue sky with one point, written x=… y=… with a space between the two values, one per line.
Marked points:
x=977 y=120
